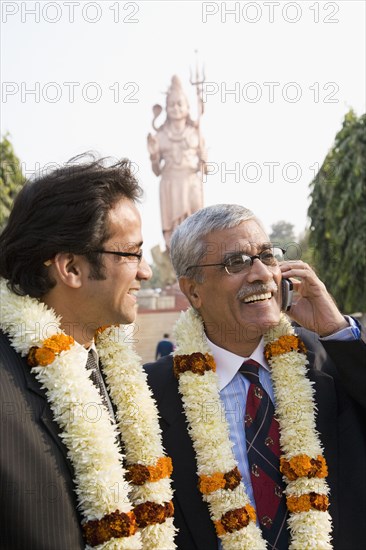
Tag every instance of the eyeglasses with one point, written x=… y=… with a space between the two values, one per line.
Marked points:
x=241 y=262
x=134 y=256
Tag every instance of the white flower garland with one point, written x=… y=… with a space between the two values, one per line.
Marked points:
x=295 y=410
x=91 y=442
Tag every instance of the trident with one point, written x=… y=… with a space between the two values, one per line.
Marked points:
x=200 y=79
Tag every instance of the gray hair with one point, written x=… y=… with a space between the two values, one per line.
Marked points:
x=188 y=244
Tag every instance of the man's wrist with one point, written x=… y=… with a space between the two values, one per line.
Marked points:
x=351 y=331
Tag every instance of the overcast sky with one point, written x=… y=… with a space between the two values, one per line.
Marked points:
x=80 y=76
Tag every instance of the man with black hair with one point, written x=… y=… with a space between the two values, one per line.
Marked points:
x=71 y=261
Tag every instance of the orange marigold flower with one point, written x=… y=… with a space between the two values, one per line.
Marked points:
x=220 y=529
x=318 y=467
x=51 y=347
x=234 y=520
x=298 y=466
x=319 y=502
x=298 y=504
x=284 y=344
x=232 y=478
x=303 y=466
x=218 y=480
x=162 y=469
x=169 y=509
x=31 y=357
x=304 y=503
x=114 y=525
x=58 y=342
x=149 y=513
x=44 y=356
x=251 y=512
x=198 y=363
x=209 y=484
x=139 y=474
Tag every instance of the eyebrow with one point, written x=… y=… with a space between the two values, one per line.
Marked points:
x=137 y=245
x=125 y=247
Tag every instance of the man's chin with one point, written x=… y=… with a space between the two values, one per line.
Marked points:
x=129 y=318
x=265 y=322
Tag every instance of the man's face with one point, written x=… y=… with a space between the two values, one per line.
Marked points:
x=235 y=308
x=113 y=300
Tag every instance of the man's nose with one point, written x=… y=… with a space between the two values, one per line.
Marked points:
x=259 y=272
x=144 y=271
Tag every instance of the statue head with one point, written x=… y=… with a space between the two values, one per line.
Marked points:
x=177 y=107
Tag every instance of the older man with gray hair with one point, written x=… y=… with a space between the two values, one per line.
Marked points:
x=260 y=418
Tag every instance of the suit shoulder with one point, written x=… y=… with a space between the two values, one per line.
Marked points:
x=161 y=366
x=9 y=358
x=160 y=373
x=317 y=355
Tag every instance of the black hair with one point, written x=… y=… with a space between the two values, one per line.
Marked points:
x=65 y=210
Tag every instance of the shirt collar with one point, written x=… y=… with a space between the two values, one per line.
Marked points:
x=85 y=350
x=228 y=363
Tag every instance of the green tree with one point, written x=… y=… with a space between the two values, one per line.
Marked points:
x=282 y=233
x=306 y=252
x=338 y=216
x=297 y=248
x=11 y=178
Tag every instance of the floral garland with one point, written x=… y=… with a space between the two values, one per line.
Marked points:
x=116 y=514
x=301 y=463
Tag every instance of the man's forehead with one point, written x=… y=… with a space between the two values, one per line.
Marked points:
x=244 y=237
x=124 y=212
x=224 y=249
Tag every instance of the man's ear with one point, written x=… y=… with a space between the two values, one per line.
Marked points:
x=67 y=268
x=191 y=289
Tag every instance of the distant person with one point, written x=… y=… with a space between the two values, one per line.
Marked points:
x=164 y=347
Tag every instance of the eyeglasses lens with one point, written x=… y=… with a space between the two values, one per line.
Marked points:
x=243 y=262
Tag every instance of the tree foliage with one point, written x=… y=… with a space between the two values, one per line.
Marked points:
x=305 y=250
x=338 y=216
x=282 y=233
x=11 y=178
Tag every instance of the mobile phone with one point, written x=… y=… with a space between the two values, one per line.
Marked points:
x=286 y=292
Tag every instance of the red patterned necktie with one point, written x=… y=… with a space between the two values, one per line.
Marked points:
x=263 y=450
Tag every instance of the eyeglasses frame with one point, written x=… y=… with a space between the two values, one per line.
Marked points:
x=137 y=255
x=251 y=258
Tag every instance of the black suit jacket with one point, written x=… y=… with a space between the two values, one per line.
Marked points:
x=38 y=508
x=340 y=421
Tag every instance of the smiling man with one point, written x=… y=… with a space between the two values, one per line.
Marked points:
x=71 y=262
x=237 y=406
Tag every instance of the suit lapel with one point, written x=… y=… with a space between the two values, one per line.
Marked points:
x=46 y=416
